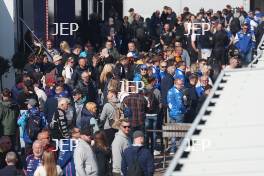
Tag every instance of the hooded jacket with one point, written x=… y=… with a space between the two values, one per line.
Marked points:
x=9 y=113
x=89 y=119
x=120 y=143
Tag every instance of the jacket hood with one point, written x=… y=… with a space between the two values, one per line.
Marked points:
x=87 y=113
x=120 y=133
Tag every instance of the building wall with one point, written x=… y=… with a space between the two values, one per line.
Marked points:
x=147 y=7
x=7 y=36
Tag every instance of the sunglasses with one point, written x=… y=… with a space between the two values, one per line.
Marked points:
x=163 y=66
x=144 y=69
x=126 y=126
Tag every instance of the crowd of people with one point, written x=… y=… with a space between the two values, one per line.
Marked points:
x=86 y=109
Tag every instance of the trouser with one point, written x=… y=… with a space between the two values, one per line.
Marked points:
x=246 y=57
x=175 y=141
x=151 y=124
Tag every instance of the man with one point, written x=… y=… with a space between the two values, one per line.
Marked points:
x=176 y=106
x=34 y=160
x=245 y=42
x=163 y=67
x=84 y=158
x=166 y=84
x=204 y=81
x=180 y=72
x=78 y=103
x=8 y=116
x=142 y=76
x=66 y=159
x=120 y=143
x=11 y=169
x=139 y=153
x=88 y=87
x=57 y=60
x=138 y=105
x=80 y=68
x=131 y=15
x=32 y=122
x=220 y=41
x=111 y=50
x=185 y=55
x=5 y=147
x=76 y=52
x=234 y=62
x=44 y=137
x=132 y=50
x=59 y=124
x=51 y=52
x=167 y=37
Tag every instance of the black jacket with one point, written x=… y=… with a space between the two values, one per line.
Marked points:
x=166 y=83
x=10 y=171
x=103 y=161
x=89 y=90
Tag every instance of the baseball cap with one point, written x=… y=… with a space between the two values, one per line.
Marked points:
x=57 y=58
x=143 y=66
x=137 y=134
x=31 y=102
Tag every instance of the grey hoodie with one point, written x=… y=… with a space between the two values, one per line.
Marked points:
x=108 y=112
x=84 y=160
x=120 y=143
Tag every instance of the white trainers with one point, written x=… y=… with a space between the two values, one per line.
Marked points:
x=156 y=152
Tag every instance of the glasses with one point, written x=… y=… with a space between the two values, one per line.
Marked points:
x=144 y=69
x=163 y=66
x=126 y=127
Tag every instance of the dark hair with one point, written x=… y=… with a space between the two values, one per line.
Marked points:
x=77 y=46
x=100 y=140
x=6 y=93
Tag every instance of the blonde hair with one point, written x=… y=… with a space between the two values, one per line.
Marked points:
x=108 y=68
x=49 y=163
x=65 y=47
x=90 y=105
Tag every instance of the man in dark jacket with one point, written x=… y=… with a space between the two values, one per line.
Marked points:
x=10 y=169
x=87 y=87
x=166 y=84
x=79 y=70
x=139 y=153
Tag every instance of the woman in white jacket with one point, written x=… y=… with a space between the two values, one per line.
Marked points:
x=68 y=71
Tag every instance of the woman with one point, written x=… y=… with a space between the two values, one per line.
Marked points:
x=65 y=51
x=48 y=166
x=68 y=71
x=88 y=116
x=102 y=153
x=105 y=77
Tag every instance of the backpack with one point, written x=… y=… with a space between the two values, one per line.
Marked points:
x=135 y=169
x=33 y=126
x=117 y=115
x=153 y=107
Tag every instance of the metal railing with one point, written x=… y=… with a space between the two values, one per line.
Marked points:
x=35 y=38
x=259 y=53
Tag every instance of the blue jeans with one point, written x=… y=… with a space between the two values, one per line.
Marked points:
x=174 y=139
x=246 y=57
x=151 y=124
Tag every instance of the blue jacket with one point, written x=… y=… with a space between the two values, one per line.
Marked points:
x=65 y=159
x=156 y=75
x=145 y=159
x=200 y=91
x=245 y=41
x=175 y=103
x=22 y=122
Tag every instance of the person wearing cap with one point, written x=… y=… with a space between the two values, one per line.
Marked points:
x=245 y=41
x=143 y=76
x=137 y=151
x=33 y=111
x=120 y=143
x=176 y=106
x=78 y=103
x=180 y=72
x=84 y=157
x=57 y=60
